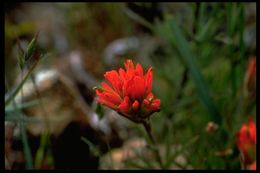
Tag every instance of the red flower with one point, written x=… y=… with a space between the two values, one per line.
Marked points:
x=252 y=166
x=129 y=92
x=246 y=141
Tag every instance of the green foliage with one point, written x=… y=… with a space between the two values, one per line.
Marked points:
x=199 y=67
x=209 y=56
x=23 y=58
x=95 y=150
x=30 y=49
x=44 y=151
x=18 y=88
x=100 y=110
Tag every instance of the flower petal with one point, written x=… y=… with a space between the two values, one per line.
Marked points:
x=135 y=105
x=155 y=105
x=107 y=88
x=136 y=88
x=139 y=70
x=149 y=80
x=113 y=78
x=105 y=102
x=125 y=106
x=108 y=97
x=122 y=73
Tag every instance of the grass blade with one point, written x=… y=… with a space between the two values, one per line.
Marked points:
x=18 y=88
x=10 y=108
x=21 y=117
x=188 y=59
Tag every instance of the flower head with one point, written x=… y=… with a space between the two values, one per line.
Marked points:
x=246 y=141
x=129 y=92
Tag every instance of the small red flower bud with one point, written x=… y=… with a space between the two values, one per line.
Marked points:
x=135 y=105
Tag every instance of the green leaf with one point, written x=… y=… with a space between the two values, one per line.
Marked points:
x=20 y=56
x=31 y=48
x=92 y=147
x=11 y=108
x=204 y=32
x=241 y=26
x=26 y=147
x=231 y=18
x=18 y=88
x=100 y=110
x=138 y=18
x=19 y=118
x=40 y=152
x=177 y=40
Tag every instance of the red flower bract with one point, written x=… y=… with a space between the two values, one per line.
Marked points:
x=246 y=141
x=250 y=77
x=129 y=92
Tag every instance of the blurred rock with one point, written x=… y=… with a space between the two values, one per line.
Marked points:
x=120 y=155
x=133 y=149
x=120 y=47
x=66 y=115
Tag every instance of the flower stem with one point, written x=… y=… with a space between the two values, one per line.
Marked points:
x=147 y=127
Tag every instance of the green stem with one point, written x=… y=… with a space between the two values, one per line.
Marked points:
x=147 y=127
x=110 y=153
x=14 y=93
x=27 y=151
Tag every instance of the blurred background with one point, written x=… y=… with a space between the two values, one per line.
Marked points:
x=199 y=53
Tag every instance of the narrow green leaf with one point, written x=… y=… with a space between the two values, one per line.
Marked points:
x=11 y=108
x=17 y=89
x=100 y=111
x=31 y=48
x=188 y=59
x=204 y=32
x=19 y=118
x=138 y=18
x=231 y=18
x=241 y=26
x=40 y=152
x=92 y=147
x=136 y=165
x=201 y=18
x=20 y=57
x=26 y=147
